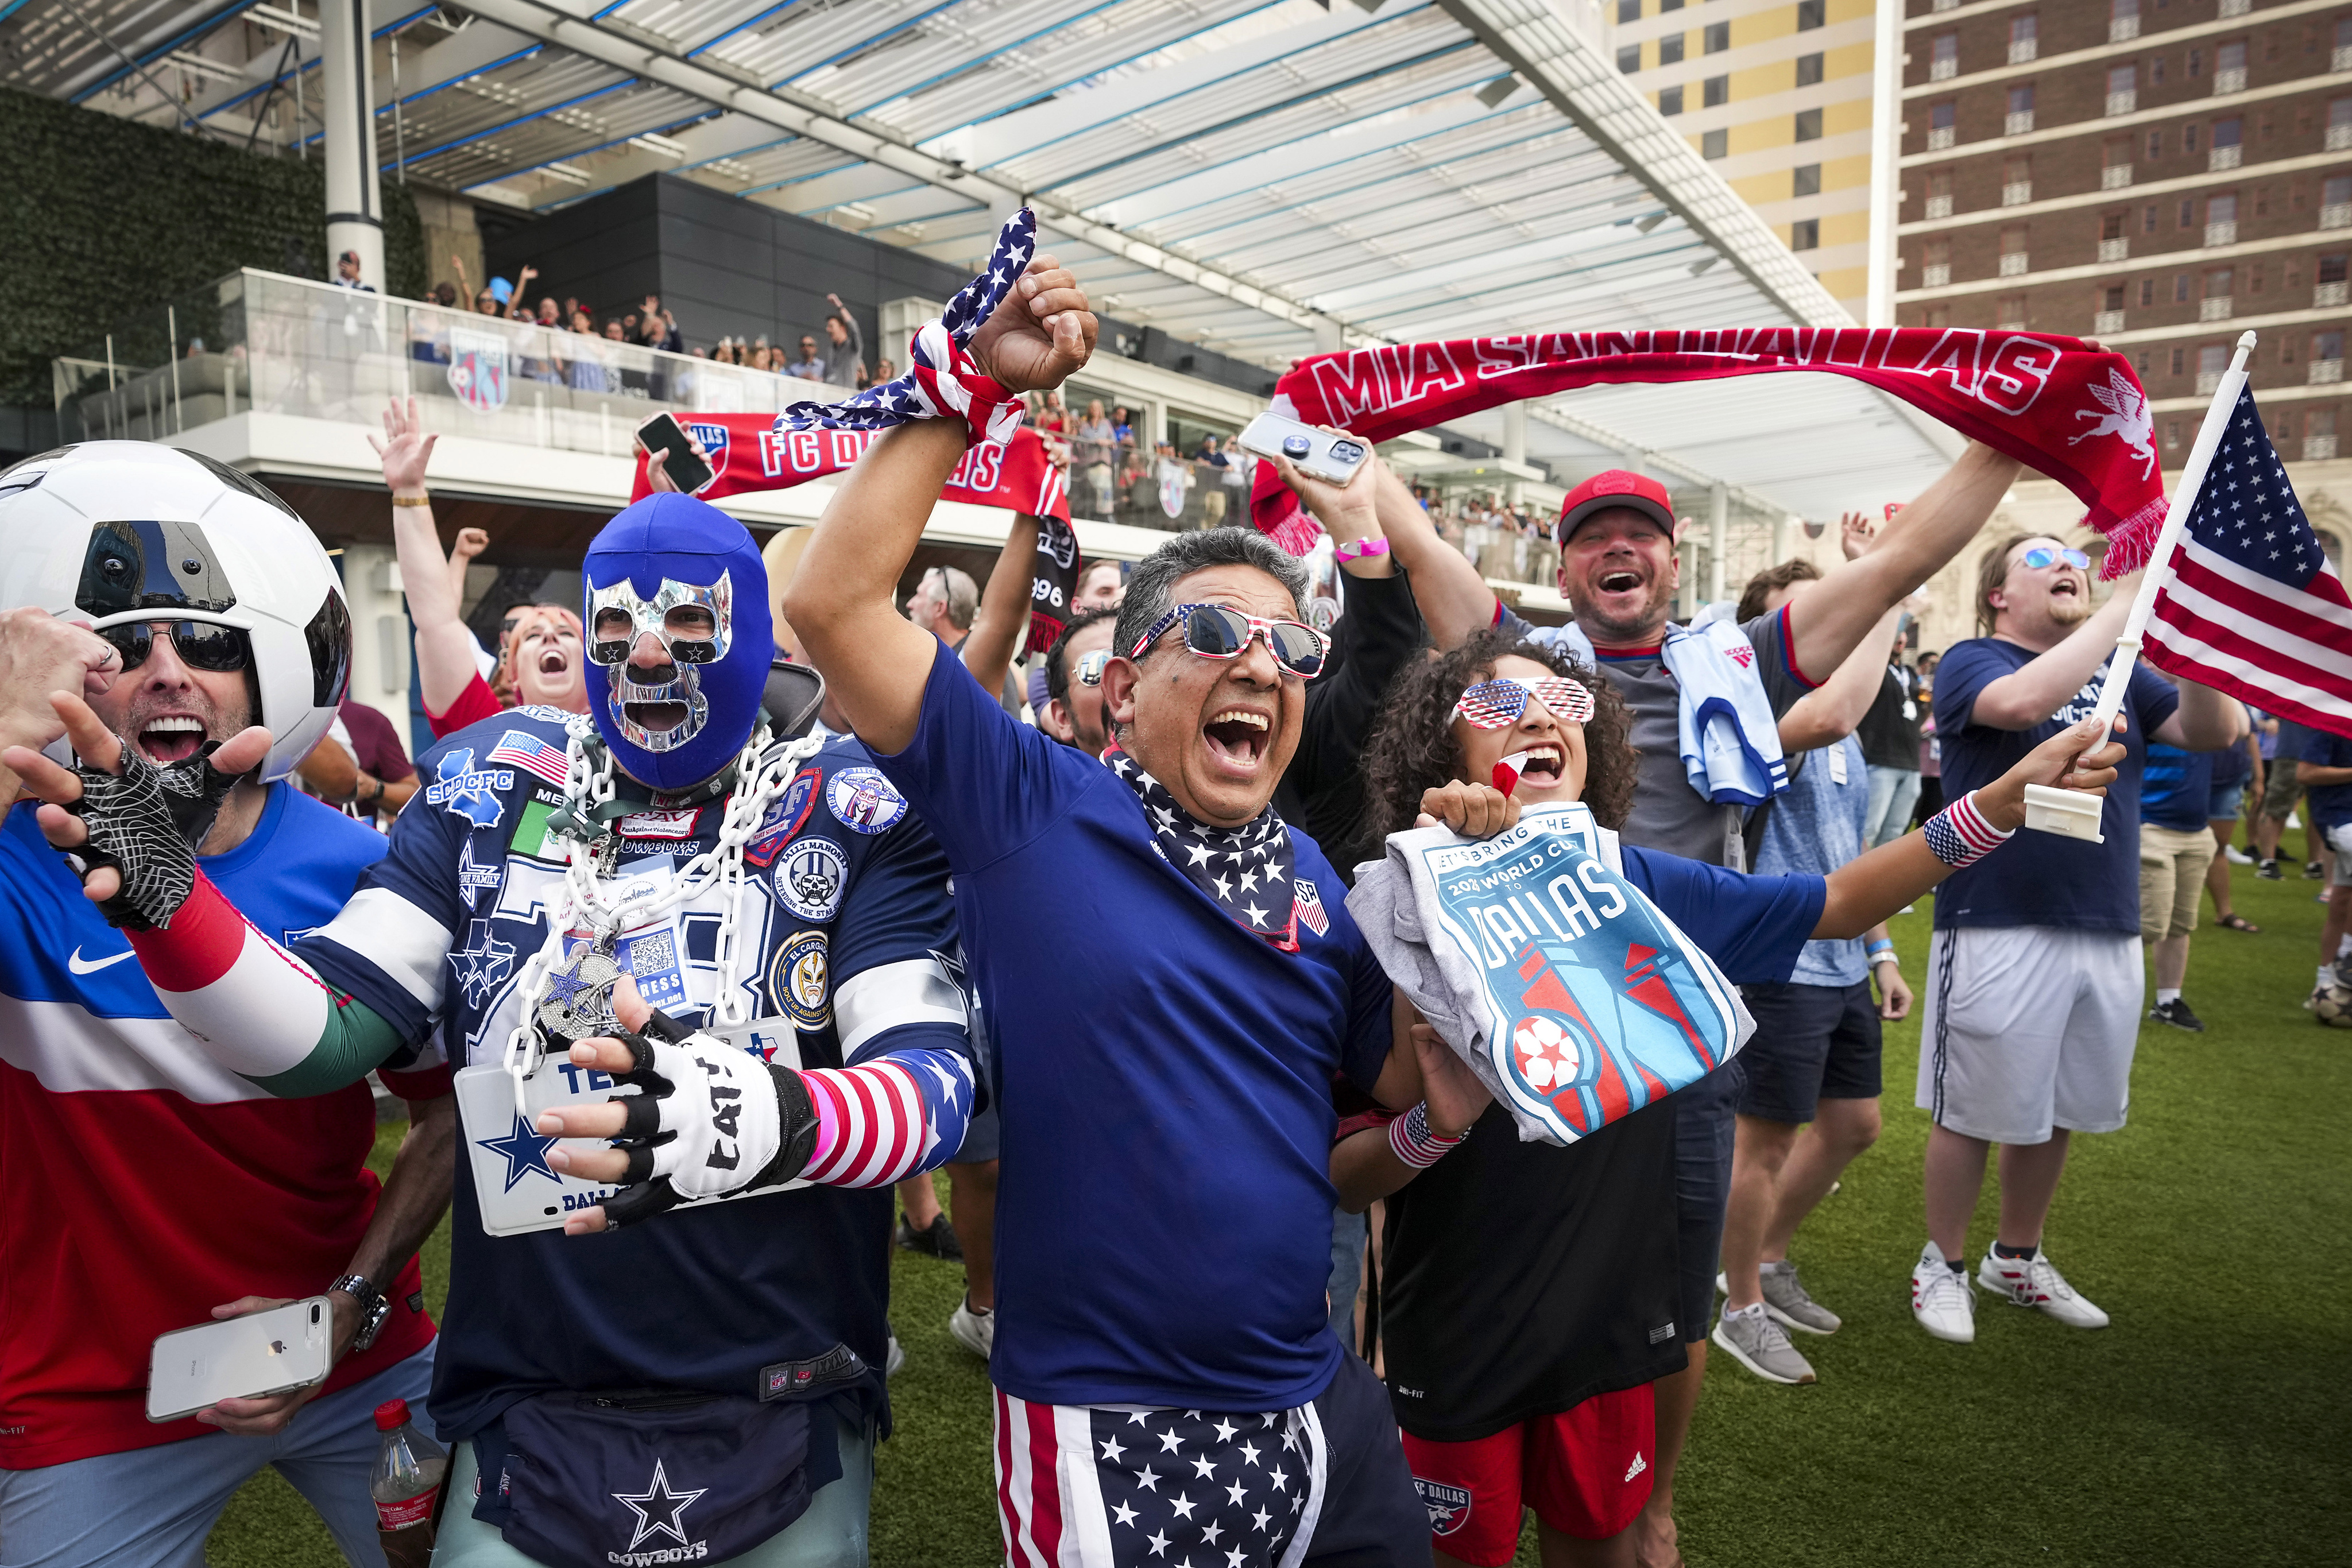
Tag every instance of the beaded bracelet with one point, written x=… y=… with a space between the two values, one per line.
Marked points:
x=1411 y=1139
x=1960 y=835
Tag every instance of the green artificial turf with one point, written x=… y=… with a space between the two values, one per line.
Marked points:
x=2206 y=1425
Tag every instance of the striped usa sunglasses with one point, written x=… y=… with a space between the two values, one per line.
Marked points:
x=1491 y=705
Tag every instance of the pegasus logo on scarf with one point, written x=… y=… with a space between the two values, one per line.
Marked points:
x=2126 y=416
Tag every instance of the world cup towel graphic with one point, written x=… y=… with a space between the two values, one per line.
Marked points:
x=1571 y=994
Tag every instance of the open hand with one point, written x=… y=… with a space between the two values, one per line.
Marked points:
x=39 y=655
x=1856 y=535
x=1039 y=333
x=405 y=449
x=1473 y=810
x=602 y=1119
x=100 y=747
x=267 y=1417
x=2077 y=757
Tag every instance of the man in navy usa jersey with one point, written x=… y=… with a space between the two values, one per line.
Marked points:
x=1172 y=981
x=710 y=1386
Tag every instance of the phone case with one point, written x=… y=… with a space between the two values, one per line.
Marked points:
x=249 y=1357
x=1331 y=458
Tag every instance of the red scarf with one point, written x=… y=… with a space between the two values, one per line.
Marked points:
x=2074 y=412
x=748 y=453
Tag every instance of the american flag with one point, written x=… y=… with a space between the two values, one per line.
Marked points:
x=1216 y=1491
x=2252 y=606
x=941 y=377
x=533 y=756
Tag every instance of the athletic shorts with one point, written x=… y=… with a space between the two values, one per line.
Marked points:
x=1704 y=1128
x=2028 y=1029
x=2339 y=842
x=2227 y=803
x=1585 y=1471
x=2281 y=790
x=979 y=1138
x=1811 y=1043
x=2172 y=866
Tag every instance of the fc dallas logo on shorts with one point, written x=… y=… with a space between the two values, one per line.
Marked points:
x=1449 y=1506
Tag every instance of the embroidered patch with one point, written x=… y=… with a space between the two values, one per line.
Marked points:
x=809 y=879
x=533 y=756
x=800 y=982
x=475 y=879
x=1310 y=903
x=783 y=819
x=464 y=790
x=864 y=801
x=1449 y=1506
x=676 y=824
x=531 y=838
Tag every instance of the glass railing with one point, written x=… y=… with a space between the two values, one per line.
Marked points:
x=259 y=341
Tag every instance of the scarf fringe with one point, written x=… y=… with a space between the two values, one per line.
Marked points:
x=2132 y=541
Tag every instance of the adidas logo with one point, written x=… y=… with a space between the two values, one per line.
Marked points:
x=1636 y=1468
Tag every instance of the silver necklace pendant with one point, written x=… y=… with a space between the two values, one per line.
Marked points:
x=578 y=1001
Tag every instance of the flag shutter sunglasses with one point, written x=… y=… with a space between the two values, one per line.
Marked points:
x=1216 y=631
x=1491 y=705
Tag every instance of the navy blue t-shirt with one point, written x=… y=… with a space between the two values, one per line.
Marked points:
x=2175 y=790
x=1163 y=1219
x=2331 y=804
x=2054 y=880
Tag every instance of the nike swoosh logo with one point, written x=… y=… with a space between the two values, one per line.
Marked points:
x=79 y=967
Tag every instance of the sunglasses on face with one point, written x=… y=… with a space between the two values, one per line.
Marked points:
x=1216 y=631
x=1090 y=666
x=200 y=645
x=1491 y=705
x=2041 y=556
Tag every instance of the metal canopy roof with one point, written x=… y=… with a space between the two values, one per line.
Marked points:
x=1266 y=178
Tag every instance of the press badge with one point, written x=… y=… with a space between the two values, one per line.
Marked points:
x=517 y=1190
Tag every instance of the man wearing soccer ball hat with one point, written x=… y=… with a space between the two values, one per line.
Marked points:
x=180 y=601
x=667 y=870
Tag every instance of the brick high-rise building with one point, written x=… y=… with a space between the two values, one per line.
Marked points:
x=2159 y=174
x=1777 y=93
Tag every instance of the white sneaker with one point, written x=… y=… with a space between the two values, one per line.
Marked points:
x=1940 y=1298
x=2238 y=856
x=976 y=1332
x=2035 y=1282
x=895 y=1359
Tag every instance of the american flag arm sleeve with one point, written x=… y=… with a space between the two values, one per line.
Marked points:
x=255 y=1008
x=889 y=1117
x=1960 y=835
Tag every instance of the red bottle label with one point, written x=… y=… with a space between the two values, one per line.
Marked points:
x=400 y=1515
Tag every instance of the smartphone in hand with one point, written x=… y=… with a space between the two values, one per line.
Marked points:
x=251 y=1357
x=667 y=443
x=1319 y=454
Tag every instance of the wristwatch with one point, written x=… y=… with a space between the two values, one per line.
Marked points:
x=373 y=1308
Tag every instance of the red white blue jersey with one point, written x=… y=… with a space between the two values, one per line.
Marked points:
x=847 y=930
x=148 y=1184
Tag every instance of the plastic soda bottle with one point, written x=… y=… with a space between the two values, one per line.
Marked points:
x=405 y=1483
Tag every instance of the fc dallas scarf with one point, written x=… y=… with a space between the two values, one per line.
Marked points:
x=2071 y=412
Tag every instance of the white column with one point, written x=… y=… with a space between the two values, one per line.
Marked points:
x=379 y=632
x=1885 y=160
x=1515 y=447
x=1719 y=539
x=1782 y=534
x=354 y=206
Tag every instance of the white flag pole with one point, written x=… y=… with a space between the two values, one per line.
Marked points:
x=2064 y=811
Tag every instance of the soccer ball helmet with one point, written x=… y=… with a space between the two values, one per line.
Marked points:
x=118 y=532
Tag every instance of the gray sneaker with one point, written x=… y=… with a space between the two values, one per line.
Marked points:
x=1762 y=1345
x=1790 y=1305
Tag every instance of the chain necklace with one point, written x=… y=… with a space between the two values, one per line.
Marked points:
x=584 y=903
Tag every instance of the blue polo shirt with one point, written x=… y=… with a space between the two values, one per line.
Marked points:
x=2176 y=786
x=2331 y=804
x=1164 y=1218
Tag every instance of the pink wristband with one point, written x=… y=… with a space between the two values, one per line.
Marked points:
x=1358 y=550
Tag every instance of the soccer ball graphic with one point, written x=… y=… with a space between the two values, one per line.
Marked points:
x=2334 y=1006
x=1548 y=1057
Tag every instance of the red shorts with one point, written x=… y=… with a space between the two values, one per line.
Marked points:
x=1586 y=1472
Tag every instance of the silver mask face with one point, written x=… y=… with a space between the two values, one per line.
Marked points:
x=609 y=644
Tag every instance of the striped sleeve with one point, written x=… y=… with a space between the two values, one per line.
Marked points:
x=895 y=1115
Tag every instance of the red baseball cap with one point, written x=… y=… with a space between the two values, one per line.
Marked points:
x=1616 y=488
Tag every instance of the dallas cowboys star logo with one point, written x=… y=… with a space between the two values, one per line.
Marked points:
x=659 y=1510
x=525 y=1152
x=473 y=879
x=482 y=963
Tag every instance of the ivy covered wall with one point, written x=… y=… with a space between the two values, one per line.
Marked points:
x=102 y=221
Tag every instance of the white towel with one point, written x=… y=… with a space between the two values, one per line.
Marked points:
x=1569 y=994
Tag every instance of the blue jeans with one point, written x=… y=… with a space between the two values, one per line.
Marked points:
x=1705 y=1116
x=1892 y=792
x=152 y=1508
x=1350 y=1233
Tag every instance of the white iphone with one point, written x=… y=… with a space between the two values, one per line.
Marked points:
x=1317 y=453
x=249 y=1357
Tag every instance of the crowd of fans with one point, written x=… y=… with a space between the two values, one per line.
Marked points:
x=1085 y=941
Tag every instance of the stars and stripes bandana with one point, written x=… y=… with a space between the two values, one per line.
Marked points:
x=1245 y=871
x=943 y=381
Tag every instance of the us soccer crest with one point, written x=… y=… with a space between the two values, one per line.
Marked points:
x=714 y=443
x=1592 y=1003
x=478 y=370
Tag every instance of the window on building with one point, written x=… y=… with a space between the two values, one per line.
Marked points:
x=1629 y=10
x=2319 y=434
x=2255 y=282
x=2017 y=169
x=2195 y=63
x=1665 y=6
x=2020 y=99
x=2217 y=282
x=1809 y=68
x=1938 y=318
x=2148 y=291
x=2221 y=209
x=1943 y=117
x=2123 y=81
x=2010 y=312
x=2154 y=145
x=2212 y=358
x=2124 y=11
x=1716 y=37
x=1805 y=234
x=2229 y=132
x=2340 y=123
x=1714 y=144
x=2187 y=211
x=2335 y=193
x=1629 y=58
x=2111 y=226
x=1670 y=100
x=1944 y=57
x=2172 y=426
x=2155 y=70
x=2179 y=364
x=2261 y=201
x=1809 y=125
x=2115 y=152
x=2021 y=30
x=1670 y=49
x=1811 y=14
x=1939 y=193
x=2112 y=297
x=2230 y=58
x=1805 y=180
x=2189 y=138
x=1715 y=91
x=2332 y=269
x=2148 y=219
x=2181 y=289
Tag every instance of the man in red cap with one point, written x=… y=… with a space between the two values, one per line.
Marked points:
x=1620 y=572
